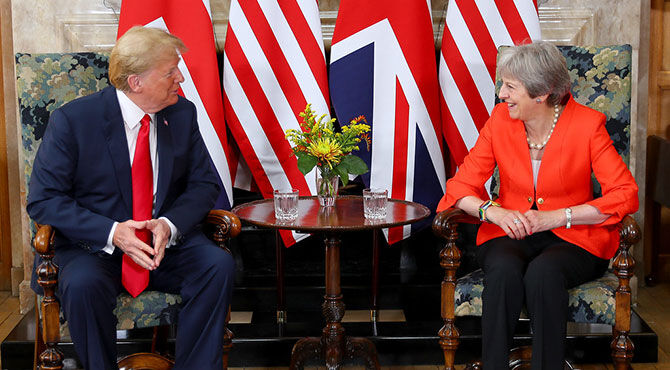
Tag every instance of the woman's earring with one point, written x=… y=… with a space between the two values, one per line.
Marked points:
x=538 y=100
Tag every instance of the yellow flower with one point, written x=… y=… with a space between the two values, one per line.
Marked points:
x=326 y=150
x=322 y=143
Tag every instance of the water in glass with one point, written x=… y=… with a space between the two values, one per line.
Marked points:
x=374 y=203
x=286 y=204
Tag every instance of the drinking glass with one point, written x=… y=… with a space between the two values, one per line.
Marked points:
x=374 y=203
x=286 y=204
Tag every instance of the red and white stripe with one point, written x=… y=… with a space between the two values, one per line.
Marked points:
x=474 y=29
x=274 y=64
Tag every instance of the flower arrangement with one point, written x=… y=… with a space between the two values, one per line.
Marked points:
x=320 y=144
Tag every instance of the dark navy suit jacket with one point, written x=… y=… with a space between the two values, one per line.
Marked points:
x=81 y=181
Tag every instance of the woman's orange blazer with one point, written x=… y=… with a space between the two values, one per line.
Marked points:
x=579 y=146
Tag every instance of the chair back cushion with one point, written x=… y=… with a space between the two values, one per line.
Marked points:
x=44 y=83
x=601 y=80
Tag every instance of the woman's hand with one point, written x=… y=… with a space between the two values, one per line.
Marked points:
x=514 y=223
x=545 y=220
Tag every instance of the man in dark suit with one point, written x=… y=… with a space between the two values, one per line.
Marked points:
x=104 y=161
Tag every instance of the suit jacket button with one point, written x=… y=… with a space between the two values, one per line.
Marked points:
x=540 y=201
x=530 y=200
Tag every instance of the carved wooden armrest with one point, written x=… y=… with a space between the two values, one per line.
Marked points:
x=47 y=278
x=445 y=225
x=445 y=221
x=43 y=240
x=220 y=226
x=47 y=271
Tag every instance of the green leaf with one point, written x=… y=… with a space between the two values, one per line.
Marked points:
x=354 y=165
x=341 y=171
x=306 y=162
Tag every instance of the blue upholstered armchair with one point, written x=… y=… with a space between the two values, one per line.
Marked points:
x=44 y=83
x=601 y=79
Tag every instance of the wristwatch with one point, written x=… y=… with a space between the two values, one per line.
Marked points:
x=568 y=218
x=483 y=207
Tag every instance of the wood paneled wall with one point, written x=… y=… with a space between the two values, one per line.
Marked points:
x=5 y=231
x=659 y=70
x=659 y=124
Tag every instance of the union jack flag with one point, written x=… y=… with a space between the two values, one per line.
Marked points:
x=191 y=21
x=383 y=67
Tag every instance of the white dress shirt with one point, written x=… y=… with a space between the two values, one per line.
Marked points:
x=536 y=169
x=132 y=114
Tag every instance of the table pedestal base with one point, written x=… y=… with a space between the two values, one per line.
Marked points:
x=347 y=215
x=333 y=351
x=333 y=346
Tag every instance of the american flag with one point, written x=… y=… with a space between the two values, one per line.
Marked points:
x=274 y=64
x=474 y=29
x=191 y=21
x=383 y=66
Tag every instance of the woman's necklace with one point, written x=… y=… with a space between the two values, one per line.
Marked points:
x=551 y=131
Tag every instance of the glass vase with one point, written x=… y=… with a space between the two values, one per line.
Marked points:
x=326 y=189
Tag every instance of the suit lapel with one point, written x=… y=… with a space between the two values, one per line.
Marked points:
x=165 y=159
x=115 y=134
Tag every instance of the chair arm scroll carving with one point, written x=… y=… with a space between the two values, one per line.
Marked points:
x=43 y=241
x=446 y=220
x=220 y=226
x=47 y=271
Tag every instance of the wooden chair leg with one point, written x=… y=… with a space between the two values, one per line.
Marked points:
x=622 y=350
x=450 y=259
x=449 y=342
x=51 y=357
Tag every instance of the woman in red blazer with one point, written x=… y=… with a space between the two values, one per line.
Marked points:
x=545 y=233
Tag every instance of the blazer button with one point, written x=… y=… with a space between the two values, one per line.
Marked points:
x=530 y=200
x=540 y=200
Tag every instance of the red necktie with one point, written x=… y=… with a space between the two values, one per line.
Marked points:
x=134 y=277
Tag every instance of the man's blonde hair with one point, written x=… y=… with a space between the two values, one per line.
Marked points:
x=138 y=50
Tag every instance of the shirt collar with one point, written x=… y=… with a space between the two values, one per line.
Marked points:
x=132 y=114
